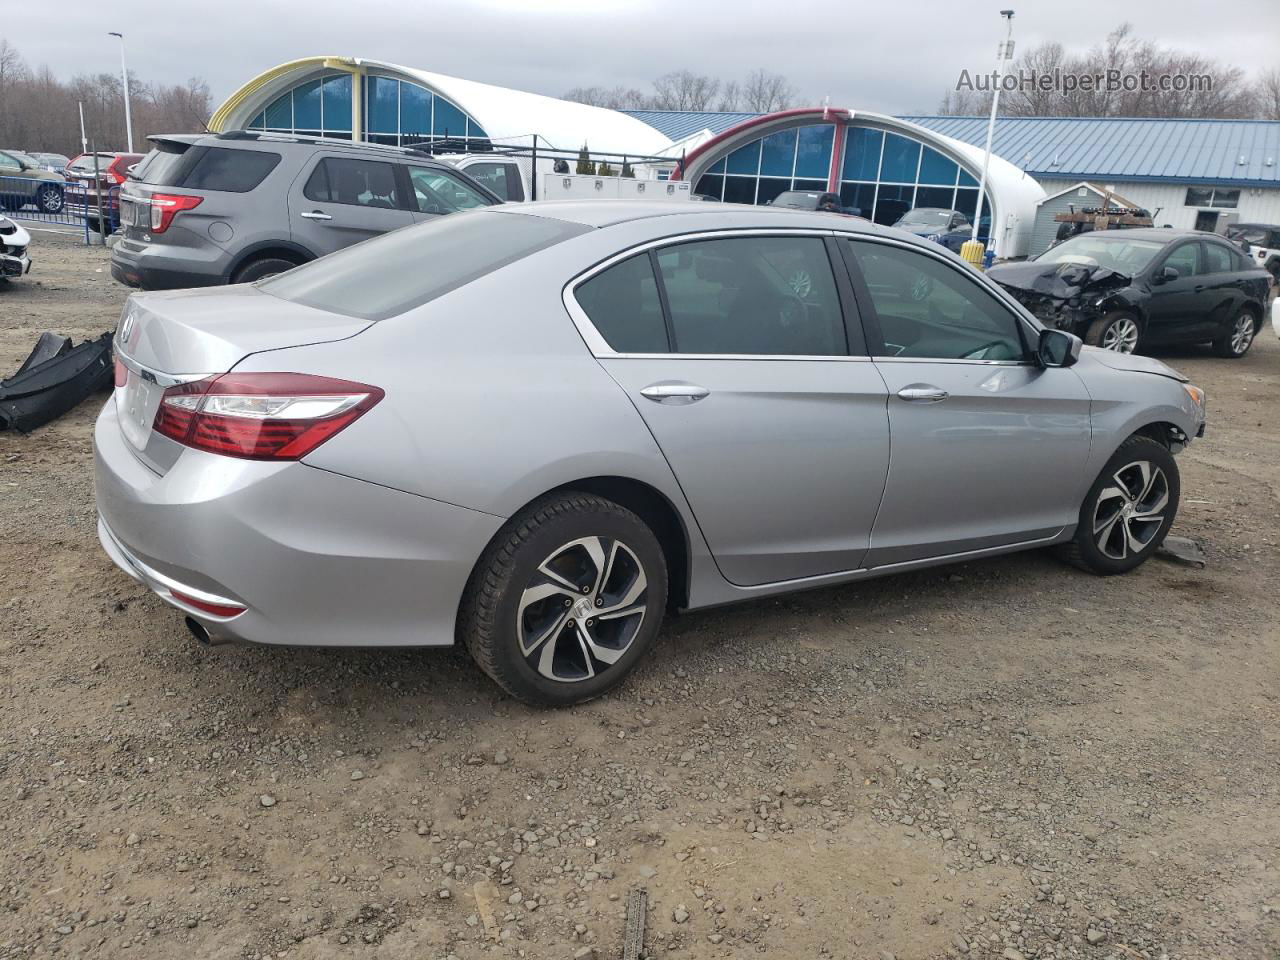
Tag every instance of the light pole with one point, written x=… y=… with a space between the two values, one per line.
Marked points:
x=1005 y=52
x=124 y=72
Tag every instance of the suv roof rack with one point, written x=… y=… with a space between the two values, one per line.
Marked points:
x=272 y=136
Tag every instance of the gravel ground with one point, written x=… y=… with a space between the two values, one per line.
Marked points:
x=1005 y=759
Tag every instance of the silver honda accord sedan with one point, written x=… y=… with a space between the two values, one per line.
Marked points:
x=538 y=428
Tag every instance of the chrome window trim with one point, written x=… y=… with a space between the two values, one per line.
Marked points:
x=1031 y=326
x=600 y=348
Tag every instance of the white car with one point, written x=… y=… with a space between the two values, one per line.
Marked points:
x=14 y=240
x=1275 y=315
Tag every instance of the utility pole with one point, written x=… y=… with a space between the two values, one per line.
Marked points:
x=1004 y=52
x=124 y=72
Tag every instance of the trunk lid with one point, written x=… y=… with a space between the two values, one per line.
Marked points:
x=184 y=335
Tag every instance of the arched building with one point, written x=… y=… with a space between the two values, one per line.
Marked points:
x=880 y=166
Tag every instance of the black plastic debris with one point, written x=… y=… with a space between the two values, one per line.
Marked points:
x=53 y=379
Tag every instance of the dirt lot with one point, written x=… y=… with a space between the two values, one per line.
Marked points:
x=1007 y=759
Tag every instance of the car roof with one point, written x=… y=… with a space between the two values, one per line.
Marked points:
x=702 y=216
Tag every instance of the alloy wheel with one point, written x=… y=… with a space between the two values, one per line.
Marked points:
x=1242 y=334
x=1130 y=512
x=50 y=200
x=582 y=609
x=1121 y=336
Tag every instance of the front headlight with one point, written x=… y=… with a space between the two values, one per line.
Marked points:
x=1195 y=393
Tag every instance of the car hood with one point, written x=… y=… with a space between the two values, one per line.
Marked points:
x=12 y=234
x=1061 y=281
x=1131 y=362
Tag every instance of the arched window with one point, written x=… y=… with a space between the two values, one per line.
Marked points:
x=882 y=175
x=396 y=112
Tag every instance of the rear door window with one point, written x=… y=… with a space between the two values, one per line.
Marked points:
x=623 y=305
x=502 y=178
x=361 y=183
x=1218 y=259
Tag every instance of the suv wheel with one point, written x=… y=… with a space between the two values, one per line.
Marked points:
x=565 y=600
x=261 y=269
x=1128 y=510
x=49 y=198
x=1237 y=340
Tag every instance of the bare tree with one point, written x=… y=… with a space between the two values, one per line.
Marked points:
x=38 y=111
x=1268 y=95
x=1110 y=83
x=615 y=98
x=730 y=96
x=766 y=92
x=684 y=90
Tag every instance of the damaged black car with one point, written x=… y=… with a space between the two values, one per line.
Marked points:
x=1125 y=290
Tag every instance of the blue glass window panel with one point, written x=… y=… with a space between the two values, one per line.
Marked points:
x=813 y=157
x=449 y=119
x=740 y=189
x=901 y=158
x=279 y=115
x=384 y=105
x=862 y=154
x=893 y=202
x=475 y=130
x=940 y=197
x=415 y=111
x=770 y=187
x=967 y=202
x=966 y=180
x=336 y=99
x=709 y=185
x=858 y=198
x=778 y=154
x=717 y=167
x=306 y=105
x=258 y=122
x=935 y=168
x=744 y=159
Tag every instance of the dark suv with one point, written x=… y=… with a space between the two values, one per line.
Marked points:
x=234 y=207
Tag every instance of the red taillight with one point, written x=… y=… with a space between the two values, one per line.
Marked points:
x=261 y=416
x=115 y=170
x=121 y=373
x=166 y=206
x=217 y=609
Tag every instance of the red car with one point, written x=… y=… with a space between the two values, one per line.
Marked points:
x=82 y=188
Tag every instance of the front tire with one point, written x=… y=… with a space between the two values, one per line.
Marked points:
x=565 y=601
x=1117 y=331
x=1128 y=511
x=1237 y=340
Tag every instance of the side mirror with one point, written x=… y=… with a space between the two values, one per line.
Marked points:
x=1057 y=348
x=1167 y=274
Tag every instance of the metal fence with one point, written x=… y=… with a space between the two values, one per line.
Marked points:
x=71 y=203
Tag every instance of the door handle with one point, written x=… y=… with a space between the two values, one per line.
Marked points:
x=315 y=215
x=923 y=394
x=1199 y=287
x=674 y=393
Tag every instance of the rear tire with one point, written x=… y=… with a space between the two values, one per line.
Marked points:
x=1118 y=331
x=261 y=269
x=565 y=600
x=1128 y=511
x=1236 y=341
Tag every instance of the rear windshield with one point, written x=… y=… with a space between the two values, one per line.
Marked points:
x=406 y=268
x=173 y=164
x=84 y=164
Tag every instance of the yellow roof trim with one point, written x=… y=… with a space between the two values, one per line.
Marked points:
x=233 y=102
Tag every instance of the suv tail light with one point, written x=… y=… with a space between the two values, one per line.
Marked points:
x=166 y=206
x=261 y=416
x=115 y=170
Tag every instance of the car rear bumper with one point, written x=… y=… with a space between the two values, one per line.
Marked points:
x=315 y=558
x=166 y=268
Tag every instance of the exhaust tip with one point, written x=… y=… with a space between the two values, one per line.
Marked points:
x=198 y=631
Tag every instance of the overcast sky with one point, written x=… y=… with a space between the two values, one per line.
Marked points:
x=895 y=57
